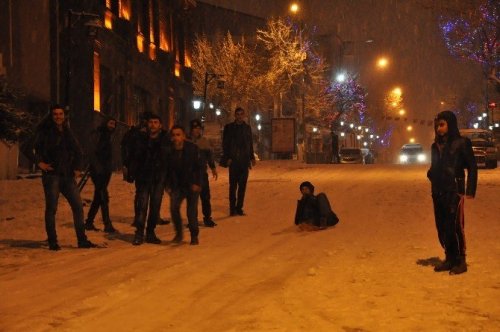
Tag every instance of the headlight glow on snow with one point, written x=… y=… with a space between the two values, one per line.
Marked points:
x=403 y=158
x=421 y=157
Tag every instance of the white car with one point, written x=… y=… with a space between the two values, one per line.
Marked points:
x=412 y=154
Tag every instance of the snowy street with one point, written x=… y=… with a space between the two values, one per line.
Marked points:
x=371 y=272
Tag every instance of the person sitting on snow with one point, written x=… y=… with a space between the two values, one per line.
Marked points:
x=314 y=211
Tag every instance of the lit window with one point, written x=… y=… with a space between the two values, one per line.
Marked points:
x=108 y=19
x=152 y=51
x=124 y=9
x=140 y=42
x=177 y=69
x=163 y=41
x=97 y=82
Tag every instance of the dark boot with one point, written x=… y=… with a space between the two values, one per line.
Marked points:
x=152 y=238
x=177 y=239
x=89 y=225
x=446 y=265
x=54 y=246
x=460 y=266
x=208 y=222
x=86 y=244
x=109 y=228
x=138 y=238
x=194 y=236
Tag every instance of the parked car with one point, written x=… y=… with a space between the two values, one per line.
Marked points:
x=350 y=156
x=412 y=154
x=483 y=145
x=368 y=156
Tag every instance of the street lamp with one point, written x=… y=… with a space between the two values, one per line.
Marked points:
x=294 y=8
x=196 y=104
x=341 y=77
x=209 y=77
x=382 y=63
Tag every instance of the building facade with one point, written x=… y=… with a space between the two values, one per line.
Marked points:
x=100 y=57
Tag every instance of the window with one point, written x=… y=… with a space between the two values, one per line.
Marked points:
x=97 y=82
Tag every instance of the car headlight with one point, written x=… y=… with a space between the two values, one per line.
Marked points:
x=403 y=158
x=421 y=157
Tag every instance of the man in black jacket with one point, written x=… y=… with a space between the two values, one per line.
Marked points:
x=101 y=168
x=451 y=153
x=149 y=158
x=58 y=155
x=184 y=182
x=238 y=151
x=129 y=145
x=206 y=160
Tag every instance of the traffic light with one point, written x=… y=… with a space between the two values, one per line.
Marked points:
x=492 y=105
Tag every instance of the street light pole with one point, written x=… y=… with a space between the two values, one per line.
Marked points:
x=208 y=78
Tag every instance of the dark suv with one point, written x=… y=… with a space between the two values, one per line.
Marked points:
x=483 y=145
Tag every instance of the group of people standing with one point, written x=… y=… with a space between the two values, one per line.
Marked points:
x=159 y=161
x=155 y=160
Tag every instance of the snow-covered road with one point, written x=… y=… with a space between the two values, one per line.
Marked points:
x=371 y=272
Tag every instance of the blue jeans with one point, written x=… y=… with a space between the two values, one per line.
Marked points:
x=176 y=198
x=66 y=185
x=147 y=194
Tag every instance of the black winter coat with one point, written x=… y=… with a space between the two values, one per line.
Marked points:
x=447 y=167
x=60 y=149
x=148 y=159
x=190 y=171
x=237 y=143
x=101 y=151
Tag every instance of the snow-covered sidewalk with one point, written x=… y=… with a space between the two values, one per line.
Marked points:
x=371 y=272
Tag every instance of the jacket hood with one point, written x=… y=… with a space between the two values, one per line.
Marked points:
x=451 y=120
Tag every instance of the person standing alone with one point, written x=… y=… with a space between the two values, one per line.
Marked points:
x=237 y=146
x=451 y=153
x=101 y=168
x=58 y=155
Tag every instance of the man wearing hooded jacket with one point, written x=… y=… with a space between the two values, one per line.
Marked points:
x=101 y=168
x=450 y=155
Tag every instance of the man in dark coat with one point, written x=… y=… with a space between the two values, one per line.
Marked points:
x=59 y=156
x=183 y=182
x=450 y=154
x=129 y=145
x=207 y=160
x=101 y=168
x=149 y=158
x=238 y=151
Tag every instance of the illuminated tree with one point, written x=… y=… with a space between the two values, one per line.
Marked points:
x=476 y=37
x=234 y=60
x=349 y=98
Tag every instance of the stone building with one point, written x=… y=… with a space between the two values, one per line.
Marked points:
x=95 y=57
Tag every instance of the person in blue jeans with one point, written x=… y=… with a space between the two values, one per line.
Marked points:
x=149 y=157
x=58 y=155
x=183 y=182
